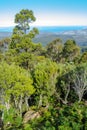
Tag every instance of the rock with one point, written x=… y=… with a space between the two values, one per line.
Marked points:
x=30 y=115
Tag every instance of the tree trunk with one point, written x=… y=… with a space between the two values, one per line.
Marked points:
x=26 y=102
x=68 y=90
x=40 y=101
x=20 y=106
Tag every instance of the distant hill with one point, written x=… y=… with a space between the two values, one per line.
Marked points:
x=5 y=34
x=80 y=36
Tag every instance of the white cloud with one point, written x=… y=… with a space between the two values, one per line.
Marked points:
x=61 y=19
x=6 y=20
x=48 y=20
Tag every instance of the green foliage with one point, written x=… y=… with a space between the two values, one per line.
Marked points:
x=23 y=51
x=48 y=81
x=64 y=81
x=27 y=127
x=15 y=85
x=12 y=120
x=70 y=50
x=45 y=78
x=83 y=57
x=71 y=117
x=54 y=50
x=23 y=18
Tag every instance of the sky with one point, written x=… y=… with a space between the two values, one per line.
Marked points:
x=47 y=12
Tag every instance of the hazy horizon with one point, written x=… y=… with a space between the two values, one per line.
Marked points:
x=12 y=26
x=48 y=29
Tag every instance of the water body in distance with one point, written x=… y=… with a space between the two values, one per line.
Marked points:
x=48 y=29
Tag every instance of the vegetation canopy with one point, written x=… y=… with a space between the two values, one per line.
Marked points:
x=41 y=88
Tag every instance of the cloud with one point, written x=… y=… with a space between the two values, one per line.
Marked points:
x=61 y=19
x=50 y=19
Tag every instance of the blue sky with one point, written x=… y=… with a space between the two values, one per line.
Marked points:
x=47 y=12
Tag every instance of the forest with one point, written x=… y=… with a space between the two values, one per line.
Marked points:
x=41 y=87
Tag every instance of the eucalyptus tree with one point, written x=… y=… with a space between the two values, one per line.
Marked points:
x=54 y=50
x=79 y=78
x=22 y=50
x=64 y=81
x=70 y=50
x=23 y=19
x=45 y=78
x=15 y=86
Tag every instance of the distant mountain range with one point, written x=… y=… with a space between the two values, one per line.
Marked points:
x=80 y=36
x=5 y=34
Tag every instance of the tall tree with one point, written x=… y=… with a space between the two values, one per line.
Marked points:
x=70 y=50
x=23 y=19
x=15 y=86
x=45 y=78
x=54 y=49
x=79 y=78
x=22 y=49
x=64 y=81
